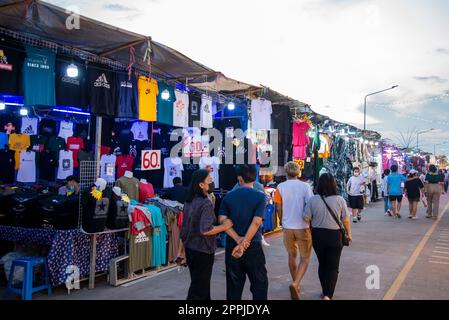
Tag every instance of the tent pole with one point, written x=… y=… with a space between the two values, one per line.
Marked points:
x=98 y=126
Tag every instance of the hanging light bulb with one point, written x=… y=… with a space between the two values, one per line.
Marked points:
x=376 y=144
x=165 y=95
x=371 y=143
x=72 y=71
x=231 y=105
x=23 y=111
x=2 y=105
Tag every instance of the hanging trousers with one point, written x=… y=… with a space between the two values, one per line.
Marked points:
x=200 y=266
x=328 y=246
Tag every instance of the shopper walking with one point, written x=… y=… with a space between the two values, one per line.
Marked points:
x=198 y=235
x=434 y=187
x=244 y=254
x=290 y=198
x=387 y=203
x=321 y=211
x=355 y=189
x=413 y=190
x=395 y=183
x=446 y=180
x=374 y=189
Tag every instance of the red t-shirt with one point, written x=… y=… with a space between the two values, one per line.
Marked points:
x=75 y=144
x=124 y=163
x=146 y=191
x=104 y=150
x=139 y=217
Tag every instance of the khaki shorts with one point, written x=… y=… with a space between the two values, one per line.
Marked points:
x=301 y=240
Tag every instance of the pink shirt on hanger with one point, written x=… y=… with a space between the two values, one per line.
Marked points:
x=299 y=133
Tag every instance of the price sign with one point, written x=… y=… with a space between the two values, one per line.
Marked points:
x=151 y=159
x=300 y=162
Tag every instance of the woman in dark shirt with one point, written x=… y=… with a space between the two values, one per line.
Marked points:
x=198 y=235
x=434 y=189
x=413 y=188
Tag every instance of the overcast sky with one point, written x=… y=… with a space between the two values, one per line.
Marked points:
x=328 y=53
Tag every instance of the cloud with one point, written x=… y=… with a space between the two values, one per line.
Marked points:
x=434 y=79
x=442 y=51
x=118 y=7
x=333 y=4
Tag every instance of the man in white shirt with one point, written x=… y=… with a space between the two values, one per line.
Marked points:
x=355 y=188
x=290 y=198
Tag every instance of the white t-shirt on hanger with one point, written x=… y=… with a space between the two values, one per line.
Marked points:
x=29 y=126
x=66 y=130
x=261 y=114
x=172 y=168
x=206 y=112
x=65 y=167
x=214 y=162
x=140 y=130
x=107 y=167
x=181 y=109
x=27 y=170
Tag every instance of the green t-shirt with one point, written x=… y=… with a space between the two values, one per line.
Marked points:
x=165 y=107
x=56 y=144
x=38 y=143
x=434 y=178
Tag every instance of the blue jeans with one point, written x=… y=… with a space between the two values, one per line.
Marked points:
x=387 y=204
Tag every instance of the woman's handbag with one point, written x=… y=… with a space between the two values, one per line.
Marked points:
x=344 y=233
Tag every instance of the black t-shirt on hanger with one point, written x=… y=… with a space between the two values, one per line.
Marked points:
x=127 y=104
x=70 y=91
x=194 y=110
x=47 y=127
x=101 y=84
x=12 y=57
x=47 y=164
x=7 y=165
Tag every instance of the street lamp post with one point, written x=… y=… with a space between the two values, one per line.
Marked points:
x=371 y=94
x=417 y=137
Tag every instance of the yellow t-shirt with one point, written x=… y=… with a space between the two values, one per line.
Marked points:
x=148 y=91
x=17 y=143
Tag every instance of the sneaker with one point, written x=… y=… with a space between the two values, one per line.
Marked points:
x=266 y=244
x=399 y=216
x=359 y=217
x=414 y=218
x=354 y=220
x=410 y=217
x=428 y=217
x=389 y=213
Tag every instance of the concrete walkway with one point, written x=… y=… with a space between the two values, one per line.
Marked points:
x=379 y=242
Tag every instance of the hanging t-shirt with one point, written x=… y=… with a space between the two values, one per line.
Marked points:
x=66 y=130
x=124 y=163
x=146 y=191
x=11 y=68
x=165 y=106
x=181 y=109
x=140 y=130
x=38 y=143
x=56 y=144
x=27 y=170
x=214 y=163
x=148 y=91
x=206 y=112
x=261 y=114
x=3 y=140
x=172 y=168
x=107 y=167
x=101 y=85
x=85 y=156
x=7 y=163
x=75 y=144
x=300 y=137
x=71 y=91
x=195 y=144
x=17 y=143
x=47 y=165
x=47 y=127
x=39 y=77
x=127 y=96
x=194 y=110
x=65 y=167
x=29 y=125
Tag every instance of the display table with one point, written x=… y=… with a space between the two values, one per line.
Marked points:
x=67 y=247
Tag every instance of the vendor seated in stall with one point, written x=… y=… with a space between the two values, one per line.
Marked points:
x=71 y=187
x=177 y=192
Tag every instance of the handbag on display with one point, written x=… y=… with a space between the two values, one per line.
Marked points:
x=344 y=233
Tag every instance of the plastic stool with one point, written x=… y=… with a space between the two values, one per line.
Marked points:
x=28 y=264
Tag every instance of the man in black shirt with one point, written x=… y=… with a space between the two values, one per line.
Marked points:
x=178 y=192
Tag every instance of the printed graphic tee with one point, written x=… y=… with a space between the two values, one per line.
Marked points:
x=66 y=130
x=261 y=114
x=75 y=144
x=127 y=106
x=172 y=168
x=65 y=167
x=29 y=125
x=39 y=77
x=181 y=109
x=27 y=170
x=38 y=143
x=140 y=130
x=71 y=91
x=107 y=167
x=194 y=110
x=165 y=106
x=148 y=91
x=214 y=163
x=11 y=68
x=17 y=143
x=101 y=85
x=206 y=112
x=124 y=163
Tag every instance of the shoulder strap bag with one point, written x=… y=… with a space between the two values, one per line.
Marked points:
x=344 y=234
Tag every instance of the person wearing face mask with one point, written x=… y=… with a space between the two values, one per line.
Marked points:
x=71 y=187
x=355 y=189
